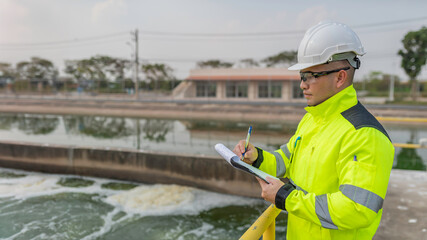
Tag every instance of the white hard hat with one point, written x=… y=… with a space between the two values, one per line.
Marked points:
x=326 y=42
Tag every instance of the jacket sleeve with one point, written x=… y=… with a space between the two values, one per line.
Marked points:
x=363 y=167
x=277 y=163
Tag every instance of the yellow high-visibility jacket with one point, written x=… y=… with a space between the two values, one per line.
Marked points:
x=339 y=161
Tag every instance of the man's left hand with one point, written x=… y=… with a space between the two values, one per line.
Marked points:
x=269 y=190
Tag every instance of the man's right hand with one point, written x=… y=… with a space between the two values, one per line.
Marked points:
x=251 y=153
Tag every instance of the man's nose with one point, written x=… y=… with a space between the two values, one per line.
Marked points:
x=303 y=85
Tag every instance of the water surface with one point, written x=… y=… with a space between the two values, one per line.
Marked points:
x=176 y=136
x=41 y=206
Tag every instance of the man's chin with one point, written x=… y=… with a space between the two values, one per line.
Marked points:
x=312 y=103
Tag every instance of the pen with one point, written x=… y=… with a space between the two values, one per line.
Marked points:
x=247 y=141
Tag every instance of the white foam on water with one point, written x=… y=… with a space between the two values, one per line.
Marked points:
x=36 y=184
x=28 y=186
x=109 y=223
x=198 y=232
x=161 y=199
x=144 y=200
x=26 y=228
x=22 y=231
x=153 y=198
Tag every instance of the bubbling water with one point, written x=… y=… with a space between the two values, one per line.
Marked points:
x=154 y=197
x=37 y=206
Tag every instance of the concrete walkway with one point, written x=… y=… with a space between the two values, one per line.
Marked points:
x=264 y=112
x=405 y=207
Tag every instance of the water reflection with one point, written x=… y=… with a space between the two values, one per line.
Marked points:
x=239 y=126
x=156 y=130
x=176 y=136
x=408 y=158
x=6 y=121
x=30 y=124
x=98 y=127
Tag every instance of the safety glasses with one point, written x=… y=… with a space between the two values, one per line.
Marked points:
x=307 y=75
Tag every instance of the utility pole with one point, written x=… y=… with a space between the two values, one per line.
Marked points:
x=136 y=79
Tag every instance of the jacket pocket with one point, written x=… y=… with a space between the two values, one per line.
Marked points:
x=363 y=174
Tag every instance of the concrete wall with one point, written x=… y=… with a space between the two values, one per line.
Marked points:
x=208 y=173
x=287 y=90
x=187 y=89
x=220 y=90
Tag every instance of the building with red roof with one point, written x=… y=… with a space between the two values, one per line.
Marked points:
x=241 y=83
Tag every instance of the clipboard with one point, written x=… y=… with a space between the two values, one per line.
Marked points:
x=235 y=161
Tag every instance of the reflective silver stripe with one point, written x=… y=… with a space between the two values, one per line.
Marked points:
x=280 y=165
x=298 y=187
x=285 y=150
x=363 y=197
x=322 y=212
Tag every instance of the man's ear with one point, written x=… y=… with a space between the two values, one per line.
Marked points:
x=341 y=79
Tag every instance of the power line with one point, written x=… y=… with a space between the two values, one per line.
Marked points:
x=187 y=60
x=77 y=44
x=373 y=55
x=254 y=34
x=213 y=39
x=390 y=23
x=202 y=35
x=264 y=34
x=266 y=38
x=72 y=41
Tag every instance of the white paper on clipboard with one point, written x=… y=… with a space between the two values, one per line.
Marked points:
x=235 y=161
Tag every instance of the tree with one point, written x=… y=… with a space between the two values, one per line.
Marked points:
x=157 y=72
x=414 y=55
x=7 y=75
x=79 y=69
x=214 y=64
x=6 y=70
x=101 y=69
x=283 y=58
x=375 y=82
x=248 y=62
x=37 y=70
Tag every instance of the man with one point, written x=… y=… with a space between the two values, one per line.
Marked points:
x=339 y=160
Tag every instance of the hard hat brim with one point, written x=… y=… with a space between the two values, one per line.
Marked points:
x=300 y=66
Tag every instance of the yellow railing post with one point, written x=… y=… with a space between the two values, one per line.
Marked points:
x=407 y=145
x=270 y=232
x=401 y=119
x=265 y=224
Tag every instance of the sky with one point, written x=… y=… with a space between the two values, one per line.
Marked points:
x=181 y=32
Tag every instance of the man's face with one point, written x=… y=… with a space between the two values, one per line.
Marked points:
x=317 y=89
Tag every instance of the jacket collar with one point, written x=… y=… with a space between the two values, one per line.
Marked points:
x=336 y=104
